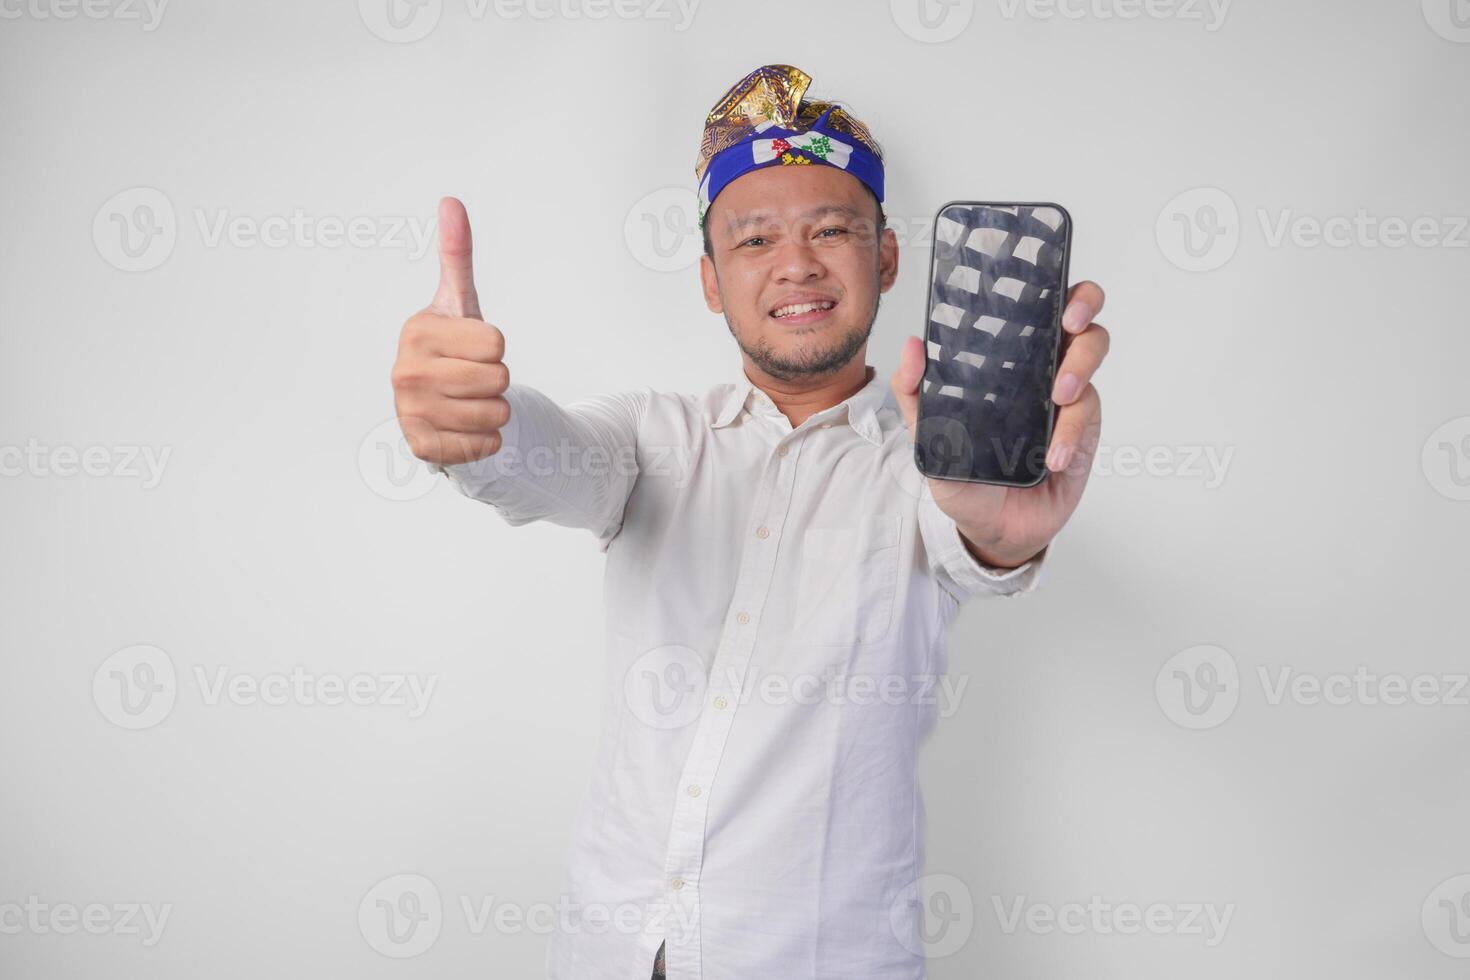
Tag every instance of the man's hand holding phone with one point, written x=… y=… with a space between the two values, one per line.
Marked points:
x=1006 y=526
x=450 y=376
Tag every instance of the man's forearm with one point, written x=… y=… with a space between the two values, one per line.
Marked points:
x=571 y=464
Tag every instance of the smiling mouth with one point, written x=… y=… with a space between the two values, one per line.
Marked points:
x=803 y=312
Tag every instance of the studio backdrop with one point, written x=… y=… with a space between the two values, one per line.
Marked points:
x=277 y=701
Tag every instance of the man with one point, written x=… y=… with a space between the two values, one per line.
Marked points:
x=779 y=581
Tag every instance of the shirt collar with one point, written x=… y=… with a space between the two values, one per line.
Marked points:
x=860 y=410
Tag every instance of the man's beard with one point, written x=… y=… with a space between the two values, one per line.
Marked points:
x=809 y=363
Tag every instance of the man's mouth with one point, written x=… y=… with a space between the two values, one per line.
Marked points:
x=799 y=313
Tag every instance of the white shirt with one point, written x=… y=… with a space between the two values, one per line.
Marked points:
x=776 y=605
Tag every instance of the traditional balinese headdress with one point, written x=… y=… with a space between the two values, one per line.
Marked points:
x=763 y=122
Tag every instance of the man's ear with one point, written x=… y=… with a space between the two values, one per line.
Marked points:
x=887 y=261
x=711 y=284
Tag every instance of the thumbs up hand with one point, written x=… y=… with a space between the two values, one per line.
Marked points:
x=450 y=375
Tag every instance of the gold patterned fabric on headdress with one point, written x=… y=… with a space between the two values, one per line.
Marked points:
x=766 y=109
x=771 y=93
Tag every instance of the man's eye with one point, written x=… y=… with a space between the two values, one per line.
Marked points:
x=749 y=241
x=839 y=231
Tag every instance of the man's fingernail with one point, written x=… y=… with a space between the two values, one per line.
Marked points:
x=1059 y=457
x=1075 y=317
x=1066 y=389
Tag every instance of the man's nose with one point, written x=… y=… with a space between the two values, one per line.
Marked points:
x=798 y=260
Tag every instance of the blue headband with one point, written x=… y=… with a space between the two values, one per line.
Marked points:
x=769 y=145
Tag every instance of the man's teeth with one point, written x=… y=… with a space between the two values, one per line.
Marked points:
x=802 y=308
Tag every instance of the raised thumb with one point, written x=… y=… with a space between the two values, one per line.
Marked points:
x=456 y=295
x=906 y=380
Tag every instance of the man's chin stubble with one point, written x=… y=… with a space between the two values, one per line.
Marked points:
x=812 y=366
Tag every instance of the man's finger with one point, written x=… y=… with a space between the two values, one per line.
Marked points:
x=468 y=415
x=456 y=378
x=447 y=448
x=464 y=447
x=456 y=295
x=472 y=340
x=1076 y=431
x=1084 y=354
x=1084 y=301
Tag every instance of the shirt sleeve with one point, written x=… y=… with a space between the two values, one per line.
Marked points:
x=958 y=571
x=572 y=465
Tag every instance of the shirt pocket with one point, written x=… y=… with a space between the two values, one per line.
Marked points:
x=847 y=580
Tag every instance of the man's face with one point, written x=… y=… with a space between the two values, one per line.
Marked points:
x=785 y=238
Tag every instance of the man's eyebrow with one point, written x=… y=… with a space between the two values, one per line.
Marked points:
x=754 y=218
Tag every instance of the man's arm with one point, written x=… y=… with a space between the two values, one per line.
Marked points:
x=508 y=445
x=993 y=528
x=962 y=572
x=573 y=464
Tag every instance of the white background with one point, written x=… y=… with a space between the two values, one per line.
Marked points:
x=1335 y=537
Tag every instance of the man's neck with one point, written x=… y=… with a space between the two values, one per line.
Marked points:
x=798 y=400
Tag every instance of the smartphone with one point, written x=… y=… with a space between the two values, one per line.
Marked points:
x=998 y=284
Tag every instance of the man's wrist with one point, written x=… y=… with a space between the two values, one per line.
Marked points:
x=997 y=556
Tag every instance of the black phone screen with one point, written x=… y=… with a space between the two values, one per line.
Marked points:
x=997 y=286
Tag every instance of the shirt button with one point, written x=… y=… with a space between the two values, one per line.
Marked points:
x=762 y=532
x=694 y=791
x=676 y=884
x=782 y=450
x=825 y=425
x=743 y=618
x=721 y=703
